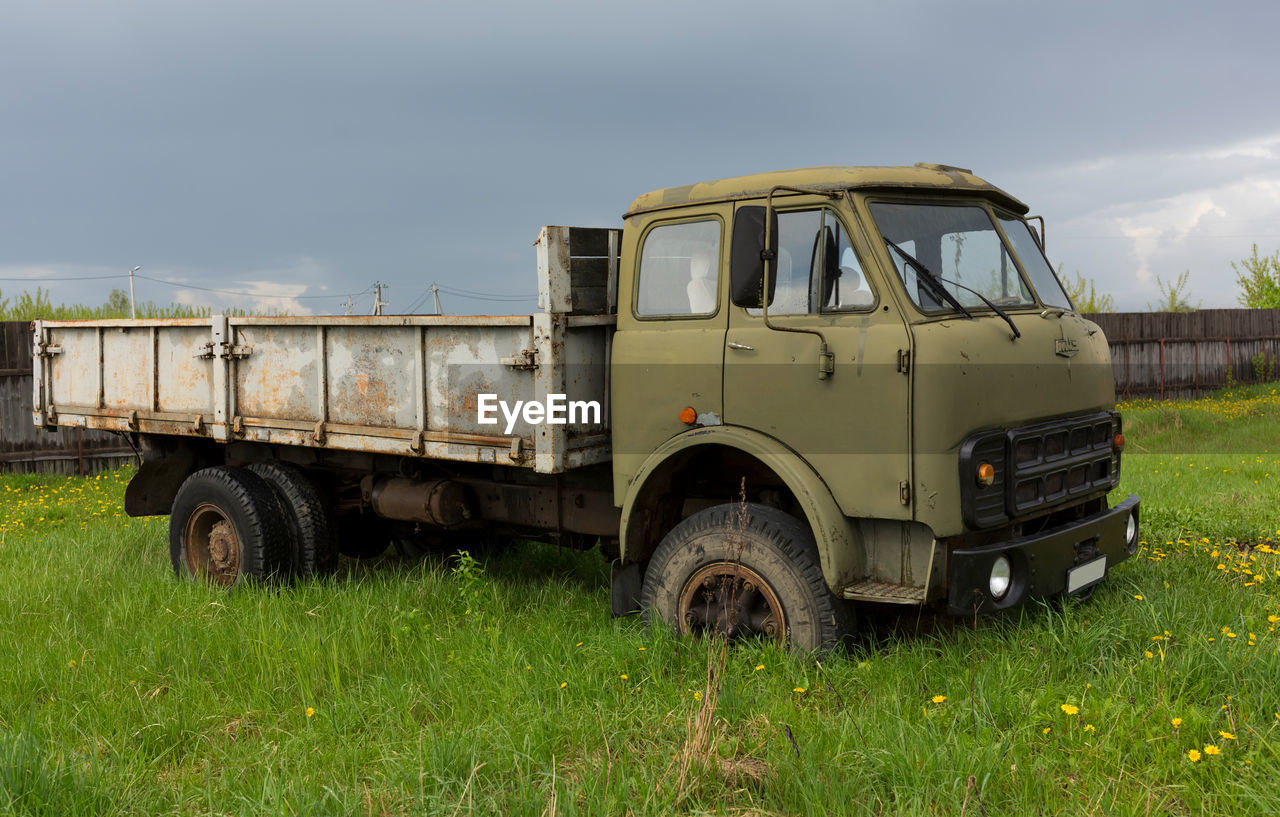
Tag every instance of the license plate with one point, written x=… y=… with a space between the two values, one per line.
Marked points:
x=1082 y=576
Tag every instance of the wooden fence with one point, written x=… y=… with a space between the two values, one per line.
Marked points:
x=27 y=449
x=1184 y=354
x=1154 y=354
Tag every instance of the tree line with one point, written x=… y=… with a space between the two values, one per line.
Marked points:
x=28 y=307
x=1258 y=277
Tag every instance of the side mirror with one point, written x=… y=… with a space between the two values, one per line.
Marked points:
x=746 y=257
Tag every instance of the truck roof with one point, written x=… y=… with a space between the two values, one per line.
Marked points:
x=921 y=177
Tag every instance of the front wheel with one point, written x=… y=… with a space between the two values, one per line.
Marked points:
x=744 y=570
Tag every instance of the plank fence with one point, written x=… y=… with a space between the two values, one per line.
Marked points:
x=1166 y=355
x=24 y=448
x=1159 y=355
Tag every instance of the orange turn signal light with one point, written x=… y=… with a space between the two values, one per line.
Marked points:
x=1118 y=441
x=688 y=416
x=986 y=475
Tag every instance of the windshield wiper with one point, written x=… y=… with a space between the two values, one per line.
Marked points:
x=994 y=308
x=938 y=280
x=935 y=286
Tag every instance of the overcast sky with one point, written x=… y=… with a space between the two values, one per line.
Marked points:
x=304 y=149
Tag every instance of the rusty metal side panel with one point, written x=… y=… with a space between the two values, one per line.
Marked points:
x=73 y=376
x=128 y=365
x=402 y=385
x=370 y=375
x=463 y=362
x=184 y=382
x=280 y=379
x=586 y=360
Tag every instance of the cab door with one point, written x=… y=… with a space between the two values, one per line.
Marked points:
x=852 y=426
x=669 y=347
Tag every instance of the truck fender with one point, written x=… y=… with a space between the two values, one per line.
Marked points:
x=840 y=549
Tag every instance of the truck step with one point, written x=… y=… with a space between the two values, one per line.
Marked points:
x=884 y=592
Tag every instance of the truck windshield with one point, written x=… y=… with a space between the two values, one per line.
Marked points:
x=962 y=245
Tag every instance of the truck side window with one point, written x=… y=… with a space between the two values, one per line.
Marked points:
x=817 y=269
x=680 y=270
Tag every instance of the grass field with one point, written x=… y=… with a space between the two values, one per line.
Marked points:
x=502 y=686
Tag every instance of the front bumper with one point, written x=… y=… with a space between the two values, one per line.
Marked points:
x=1040 y=564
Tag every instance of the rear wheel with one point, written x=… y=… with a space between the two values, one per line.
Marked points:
x=224 y=528
x=742 y=571
x=313 y=547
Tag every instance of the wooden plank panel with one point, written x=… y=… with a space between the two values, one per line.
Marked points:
x=589 y=241
x=588 y=272
x=590 y=300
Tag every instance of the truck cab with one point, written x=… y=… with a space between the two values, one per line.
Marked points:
x=883 y=355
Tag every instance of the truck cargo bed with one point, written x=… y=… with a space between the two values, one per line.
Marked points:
x=404 y=385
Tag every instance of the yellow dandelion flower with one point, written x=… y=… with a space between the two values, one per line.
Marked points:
x=1193 y=756
x=71 y=664
x=1138 y=597
x=565 y=684
x=1212 y=750
x=1149 y=654
x=1226 y=735
x=759 y=667
x=1176 y=722
x=1070 y=709
x=623 y=676
x=579 y=644
x=1045 y=730
x=937 y=699
x=798 y=690
x=311 y=711
x=697 y=695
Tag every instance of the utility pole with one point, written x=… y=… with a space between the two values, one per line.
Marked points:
x=377 y=298
x=133 y=307
x=350 y=305
x=435 y=293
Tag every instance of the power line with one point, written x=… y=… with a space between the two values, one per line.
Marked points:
x=79 y=278
x=476 y=296
x=461 y=291
x=419 y=301
x=255 y=294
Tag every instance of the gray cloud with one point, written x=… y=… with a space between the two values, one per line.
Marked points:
x=409 y=141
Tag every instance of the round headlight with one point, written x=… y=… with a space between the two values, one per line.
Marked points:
x=1131 y=533
x=1001 y=577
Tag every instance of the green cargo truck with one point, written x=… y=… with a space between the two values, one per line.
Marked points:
x=767 y=398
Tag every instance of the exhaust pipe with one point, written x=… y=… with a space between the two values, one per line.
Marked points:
x=440 y=502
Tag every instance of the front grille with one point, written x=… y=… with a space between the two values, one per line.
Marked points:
x=1038 y=467
x=1056 y=462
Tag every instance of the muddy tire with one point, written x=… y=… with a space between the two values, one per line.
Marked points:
x=313 y=544
x=744 y=570
x=225 y=529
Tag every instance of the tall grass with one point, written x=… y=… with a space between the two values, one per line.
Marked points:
x=500 y=685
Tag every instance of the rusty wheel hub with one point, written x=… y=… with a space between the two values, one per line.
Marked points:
x=213 y=549
x=731 y=599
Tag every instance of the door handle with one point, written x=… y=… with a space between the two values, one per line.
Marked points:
x=742 y=347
